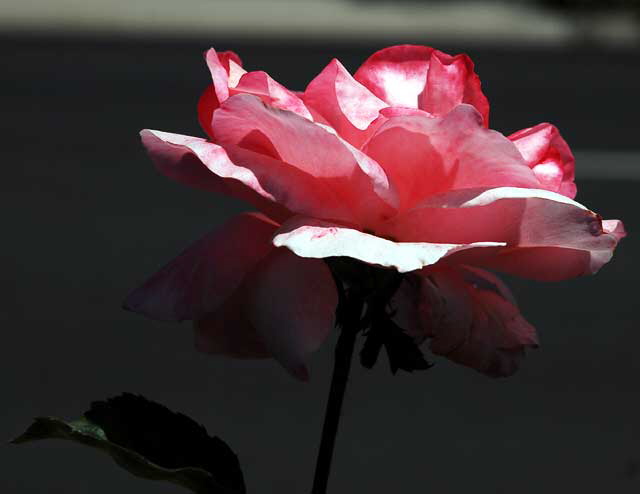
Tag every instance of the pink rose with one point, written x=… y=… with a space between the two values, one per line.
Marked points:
x=394 y=167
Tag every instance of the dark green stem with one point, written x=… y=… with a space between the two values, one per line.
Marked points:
x=341 y=368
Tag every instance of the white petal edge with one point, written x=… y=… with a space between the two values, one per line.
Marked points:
x=309 y=237
x=467 y=198
x=211 y=155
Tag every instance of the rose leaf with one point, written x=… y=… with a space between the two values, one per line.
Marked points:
x=150 y=441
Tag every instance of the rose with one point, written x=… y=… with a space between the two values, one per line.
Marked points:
x=394 y=167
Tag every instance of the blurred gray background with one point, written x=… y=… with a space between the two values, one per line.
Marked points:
x=86 y=218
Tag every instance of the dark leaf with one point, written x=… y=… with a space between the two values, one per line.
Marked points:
x=150 y=441
x=402 y=351
x=371 y=348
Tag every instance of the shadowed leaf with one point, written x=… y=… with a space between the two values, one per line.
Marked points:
x=402 y=351
x=151 y=442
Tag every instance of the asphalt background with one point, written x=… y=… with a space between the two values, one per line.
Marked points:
x=86 y=218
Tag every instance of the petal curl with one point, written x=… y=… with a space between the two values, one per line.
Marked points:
x=549 y=156
x=553 y=263
x=270 y=184
x=225 y=69
x=201 y=164
x=271 y=92
x=309 y=237
x=518 y=216
x=291 y=302
x=309 y=169
x=205 y=275
x=547 y=235
x=423 y=156
x=615 y=228
x=420 y=77
x=452 y=81
x=342 y=102
x=397 y=74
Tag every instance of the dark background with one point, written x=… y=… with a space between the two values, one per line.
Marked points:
x=86 y=218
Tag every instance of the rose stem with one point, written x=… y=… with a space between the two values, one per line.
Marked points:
x=341 y=368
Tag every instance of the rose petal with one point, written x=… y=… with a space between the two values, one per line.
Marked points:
x=396 y=74
x=231 y=62
x=549 y=156
x=301 y=160
x=615 y=228
x=485 y=280
x=207 y=104
x=235 y=69
x=452 y=319
x=271 y=92
x=473 y=323
x=219 y=75
x=382 y=187
x=423 y=156
x=309 y=237
x=264 y=181
x=547 y=235
x=228 y=331
x=497 y=339
x=205 y=275
x=452 y=81
x=543 y=263
x=291 y=302
x=554 y=263
x=417 y=304
x=342 y=102
x=225 y=69
x=201 y=164
x=518 y=216
x=421 y=77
